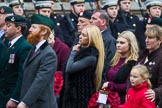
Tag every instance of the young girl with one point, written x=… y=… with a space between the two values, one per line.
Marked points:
x=139 y=79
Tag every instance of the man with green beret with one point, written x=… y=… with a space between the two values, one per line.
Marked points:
x=4 y=12
x=15 y=55
x=39 y=67
x=16 y=5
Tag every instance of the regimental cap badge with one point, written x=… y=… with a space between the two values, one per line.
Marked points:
x=2 y=10
x=85 y=14
x=16 y=19
x=6 y=10
x=13 y=19
x=149 y=20
x=81 y=12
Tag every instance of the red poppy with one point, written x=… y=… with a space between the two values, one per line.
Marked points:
x=58 y=82
x=113 y=99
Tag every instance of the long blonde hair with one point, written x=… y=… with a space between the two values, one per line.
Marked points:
x=144 y=73
x=95 y=39
x=133 y=48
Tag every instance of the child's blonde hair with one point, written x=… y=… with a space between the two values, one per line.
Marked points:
x=144 y=73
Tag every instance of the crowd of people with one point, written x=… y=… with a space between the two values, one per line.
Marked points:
x=53 y=61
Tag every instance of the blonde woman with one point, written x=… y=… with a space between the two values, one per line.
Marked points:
x=125 y=57
x=83 y=73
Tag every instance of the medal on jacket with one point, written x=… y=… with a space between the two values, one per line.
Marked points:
x=11 y=59
x=102 y=98
x=151 y=63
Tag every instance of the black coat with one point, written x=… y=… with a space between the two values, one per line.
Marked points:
x=110 y=48
x=79 y=86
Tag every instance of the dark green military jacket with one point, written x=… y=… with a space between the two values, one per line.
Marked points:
x=2 y=54
x=11 y=75
x=2 y=51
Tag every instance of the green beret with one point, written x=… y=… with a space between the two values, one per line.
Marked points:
x=5 y=10
x=41 y=19
x=155 y=20
x=17 y=19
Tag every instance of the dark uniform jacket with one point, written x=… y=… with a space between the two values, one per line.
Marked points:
x=69 y=28
x=110 y=48
x=3 y=47
x=133 y=24
x=11 y=75
x=2 y=54
x=57 y=26
x=116 y=28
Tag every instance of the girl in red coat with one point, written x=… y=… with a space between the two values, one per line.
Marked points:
x=135 y=98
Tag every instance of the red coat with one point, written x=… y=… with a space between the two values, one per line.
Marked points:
x=62 y=52
x=135 y=98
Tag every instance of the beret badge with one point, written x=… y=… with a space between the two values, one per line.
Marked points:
x=81 y=12
x=2 y=10
x=149 y=20
x=12 y=19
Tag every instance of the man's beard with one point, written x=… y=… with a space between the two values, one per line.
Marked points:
x=34 y=38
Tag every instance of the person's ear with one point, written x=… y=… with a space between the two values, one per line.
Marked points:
x=103 y=22
x=43 y=32
x=18 y=28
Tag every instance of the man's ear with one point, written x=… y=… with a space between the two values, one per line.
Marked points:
x=148 y=11
x=43 y=32
x=103 y=22
x=19 y=28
